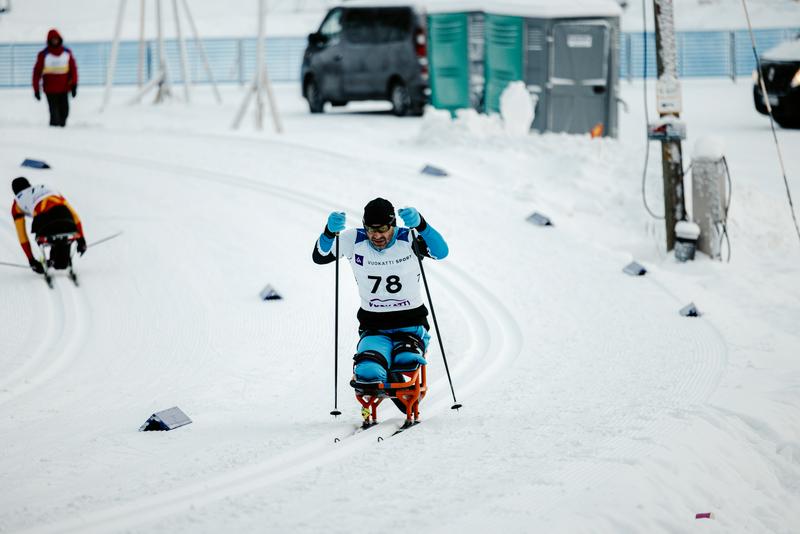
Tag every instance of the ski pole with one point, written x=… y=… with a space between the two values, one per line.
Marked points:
x=456 y=404
x=14 y=265
x=107 y=238
x=335 y=412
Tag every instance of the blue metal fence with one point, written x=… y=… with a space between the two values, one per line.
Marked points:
x=700 y=54
x=230 y=61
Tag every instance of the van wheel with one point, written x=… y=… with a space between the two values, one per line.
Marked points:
x=314 y=97
x=417 y=109
x=401 y=100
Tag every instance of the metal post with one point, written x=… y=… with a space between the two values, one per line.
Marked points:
x=732 y=54
x=260 y=67
x=149 y=62
x=142 y=47
x=240 y=50
x=668 y=99
x=629 y=57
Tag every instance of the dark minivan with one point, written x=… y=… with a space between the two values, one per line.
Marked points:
x=368 y=53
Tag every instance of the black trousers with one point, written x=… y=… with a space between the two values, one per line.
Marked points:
x=59 y=108
x=57 y=220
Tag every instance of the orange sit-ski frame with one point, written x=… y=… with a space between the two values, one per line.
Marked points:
x=409 y=393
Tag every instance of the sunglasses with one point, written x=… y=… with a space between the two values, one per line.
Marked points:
x=378 y=229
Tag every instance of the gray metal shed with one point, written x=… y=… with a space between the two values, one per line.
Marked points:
x=565 y=52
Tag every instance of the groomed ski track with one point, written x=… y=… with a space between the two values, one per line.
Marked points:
x=491 y=341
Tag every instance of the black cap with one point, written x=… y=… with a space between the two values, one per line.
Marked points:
x=20 y=184
x=378 y=212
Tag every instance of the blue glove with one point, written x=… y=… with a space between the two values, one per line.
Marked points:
x=336 y=222
x=410 y=216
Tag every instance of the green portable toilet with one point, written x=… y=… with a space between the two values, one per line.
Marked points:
x=456 y=58
x=565 y=52
x=448 y=56
x=504 y=58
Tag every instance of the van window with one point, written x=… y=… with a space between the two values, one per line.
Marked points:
x=332 y=25
x=394 y=24
x=359 y=26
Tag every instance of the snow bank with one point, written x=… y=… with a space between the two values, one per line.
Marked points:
x=786 y=51
x=467 y=127
x=517 y=107
x=517 y=111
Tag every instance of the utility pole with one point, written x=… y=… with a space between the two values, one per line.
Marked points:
x=670 y=130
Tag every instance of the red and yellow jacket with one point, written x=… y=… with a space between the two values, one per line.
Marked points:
x=35 y=201
x=56 y=68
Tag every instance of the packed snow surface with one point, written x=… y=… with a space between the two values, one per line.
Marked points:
x=590 y=403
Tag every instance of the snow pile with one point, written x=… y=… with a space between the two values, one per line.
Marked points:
x=687 y=230
x=517 y=107
x=709 y=147
x=467 y=127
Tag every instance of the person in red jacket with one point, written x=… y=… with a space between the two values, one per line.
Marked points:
x=57 y=72
x=52 y=216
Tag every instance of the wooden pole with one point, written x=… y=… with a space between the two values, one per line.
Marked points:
x=202 y=51
x=668 y=99
x=187 y=79
x=163 y=84
x=112 y=61
x=260 y=83
x=276 y=121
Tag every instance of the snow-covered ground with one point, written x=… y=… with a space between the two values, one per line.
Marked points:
x=89 y=20
x=590 y=404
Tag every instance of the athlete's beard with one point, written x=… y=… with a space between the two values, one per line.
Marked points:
x=380 y=241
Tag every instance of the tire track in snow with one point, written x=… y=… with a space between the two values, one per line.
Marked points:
x=495 y=334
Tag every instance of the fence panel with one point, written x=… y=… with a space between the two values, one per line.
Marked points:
x=232 y=60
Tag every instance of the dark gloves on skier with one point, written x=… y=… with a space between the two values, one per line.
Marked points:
x=74 y=91
x=37 y=95
x=81 y=245
x=36 y=266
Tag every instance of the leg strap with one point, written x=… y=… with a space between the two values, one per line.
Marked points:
x=371 y=356
x=405 y=342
